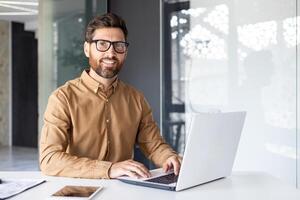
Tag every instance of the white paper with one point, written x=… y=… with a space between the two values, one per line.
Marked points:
x=11 y=187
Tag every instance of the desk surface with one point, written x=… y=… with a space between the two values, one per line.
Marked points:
x=241 y=185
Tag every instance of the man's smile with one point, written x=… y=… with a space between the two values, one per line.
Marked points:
x=108 y=61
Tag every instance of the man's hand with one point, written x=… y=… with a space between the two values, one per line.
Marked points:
x=130 y=168
x=173 y=162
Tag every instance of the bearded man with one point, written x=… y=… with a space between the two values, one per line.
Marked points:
x=92 y=123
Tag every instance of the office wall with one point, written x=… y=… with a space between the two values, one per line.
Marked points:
x=4 y=82
x=142 y=66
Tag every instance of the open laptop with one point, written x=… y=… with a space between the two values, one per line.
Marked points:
x=209 y=153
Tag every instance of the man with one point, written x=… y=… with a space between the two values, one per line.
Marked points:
x=92 y=123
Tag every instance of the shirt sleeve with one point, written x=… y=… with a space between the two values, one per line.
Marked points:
x=56 y=134
x=149 y=139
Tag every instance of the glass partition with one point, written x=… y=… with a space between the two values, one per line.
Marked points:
x=298 y=96
x=61 y=36
x=229 y=56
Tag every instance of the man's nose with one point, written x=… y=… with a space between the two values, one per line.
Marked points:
x=111 y=50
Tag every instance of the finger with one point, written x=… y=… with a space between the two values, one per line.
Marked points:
x=130 y=173
x=176 y=166
x=165 y=167
x=137 y=170
x=180 y=159
x=141 y=167
x=138 y=164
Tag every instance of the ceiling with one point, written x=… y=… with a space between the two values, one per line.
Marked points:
x=19 y=10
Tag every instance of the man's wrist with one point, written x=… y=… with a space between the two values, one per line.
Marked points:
x=102 y=169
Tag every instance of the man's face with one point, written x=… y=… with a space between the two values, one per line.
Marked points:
x=106 y=64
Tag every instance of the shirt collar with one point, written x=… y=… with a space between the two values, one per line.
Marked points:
x=95 y=85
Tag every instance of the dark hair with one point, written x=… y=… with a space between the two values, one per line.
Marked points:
x=108 y=20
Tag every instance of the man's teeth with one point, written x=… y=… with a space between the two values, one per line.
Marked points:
x=108 y=61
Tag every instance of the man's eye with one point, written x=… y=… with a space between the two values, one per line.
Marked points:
x=119 y=45
x=102 y=43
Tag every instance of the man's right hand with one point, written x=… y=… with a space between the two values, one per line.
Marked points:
x=130 y=168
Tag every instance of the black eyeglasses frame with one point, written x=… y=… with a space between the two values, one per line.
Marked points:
x=110 y=43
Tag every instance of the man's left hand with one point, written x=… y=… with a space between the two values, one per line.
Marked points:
x=173 y=162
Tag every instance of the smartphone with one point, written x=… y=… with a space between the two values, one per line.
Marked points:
x=76 y=192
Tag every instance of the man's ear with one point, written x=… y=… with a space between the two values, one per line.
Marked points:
x=86 y=49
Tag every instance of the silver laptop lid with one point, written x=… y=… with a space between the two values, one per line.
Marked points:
x=211 y=147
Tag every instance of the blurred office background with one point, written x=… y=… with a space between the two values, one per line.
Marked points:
x=186 y=56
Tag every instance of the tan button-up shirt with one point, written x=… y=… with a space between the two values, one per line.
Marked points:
x=86 y=129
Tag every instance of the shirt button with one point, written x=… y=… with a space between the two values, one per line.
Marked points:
x=107 y=121
x=106 y=100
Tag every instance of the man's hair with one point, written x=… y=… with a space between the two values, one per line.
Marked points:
x=108 y=20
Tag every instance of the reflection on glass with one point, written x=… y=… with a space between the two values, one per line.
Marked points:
x=175 y=20
x=68 y=50
x=200 y=42
x=193 y=12
x=218 y=18
x=259 y=35
x=283 y=150
x=236 y=61
x=289 y=33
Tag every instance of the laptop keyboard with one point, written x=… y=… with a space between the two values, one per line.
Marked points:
x=166 y=179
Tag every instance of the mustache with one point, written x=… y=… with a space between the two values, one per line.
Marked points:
x=114 y=58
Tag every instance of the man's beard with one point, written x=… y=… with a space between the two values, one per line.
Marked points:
x=104 y=72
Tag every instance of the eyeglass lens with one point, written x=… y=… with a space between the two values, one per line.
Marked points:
x=104 y=45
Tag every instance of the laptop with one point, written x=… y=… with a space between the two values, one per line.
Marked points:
x=209 y=155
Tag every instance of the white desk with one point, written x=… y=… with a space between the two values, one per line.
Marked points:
x=240 y=186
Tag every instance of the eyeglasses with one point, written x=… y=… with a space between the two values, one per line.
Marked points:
x=104 y=45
